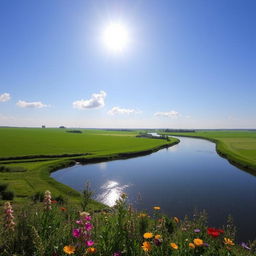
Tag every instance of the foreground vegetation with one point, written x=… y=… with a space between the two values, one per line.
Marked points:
x=52 y=229
x=239 y=147
x=29 y=155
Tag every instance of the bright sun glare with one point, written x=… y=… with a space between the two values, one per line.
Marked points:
x=115 y=37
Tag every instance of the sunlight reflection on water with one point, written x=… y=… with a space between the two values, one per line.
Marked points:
x=102 y=166
x=112 y=191
x=172 y=149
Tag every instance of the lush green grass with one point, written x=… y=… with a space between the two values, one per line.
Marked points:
x=237 y=146
x=34 y=144
x=119 y=231
x=37 y=141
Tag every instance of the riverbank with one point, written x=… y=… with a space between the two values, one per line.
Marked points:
x=27 y=175
x=238 y=147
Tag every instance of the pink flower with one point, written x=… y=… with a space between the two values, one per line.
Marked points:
x=9 y=223
x=88 y=218
x=89 y=243
x=76 y=232
x=88 y=226
x=117 y=254
x=79 y=222
x=9 y=211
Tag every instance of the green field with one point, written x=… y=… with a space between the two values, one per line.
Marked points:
x=36 y=142
x=237 y=146
x=41 y=151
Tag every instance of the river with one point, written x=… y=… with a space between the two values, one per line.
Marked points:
x=180 y=179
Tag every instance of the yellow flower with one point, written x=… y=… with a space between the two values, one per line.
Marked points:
x=142 y=215
x=198 y=242
x=91 y=250
x=176 y=219
x=146 y=246
x=157 y=236
x=174 y=246
x=69 y=249
x=191 y=245
x=148 y=235
x=228 y=241
x=157 y=208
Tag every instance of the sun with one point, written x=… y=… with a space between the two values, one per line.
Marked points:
x=115 y=37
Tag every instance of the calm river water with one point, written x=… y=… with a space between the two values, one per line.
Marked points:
x=180 y=179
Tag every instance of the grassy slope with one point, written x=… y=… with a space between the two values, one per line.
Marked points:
x=237 y=146
x=101 y=145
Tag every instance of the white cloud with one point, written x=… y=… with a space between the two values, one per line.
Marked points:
x=118 y=110
x=171 y=114
x=25 y=104
x=5 y=97
x=97 y=100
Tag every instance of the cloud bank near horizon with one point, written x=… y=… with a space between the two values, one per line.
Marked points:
x=170 y=114
x=121 y=111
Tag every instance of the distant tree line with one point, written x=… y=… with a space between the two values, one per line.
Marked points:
x=178 y=130
x=74 y=131
x=148 y=135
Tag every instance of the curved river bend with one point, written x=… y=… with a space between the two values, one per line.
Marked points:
x=180 y=179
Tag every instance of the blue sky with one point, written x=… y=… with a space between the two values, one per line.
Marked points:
x=188 y=64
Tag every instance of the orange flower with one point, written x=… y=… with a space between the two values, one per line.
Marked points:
x=157 y=208
x=198 y=242
x=157 y=236
x=146 y=246
x=191 y=245
x=69 y=249
x=142 y=215
x=63 y=209
x=174 y=246
x=228 y=241
x=148 y=235
x=91 y=250
x=176 y=219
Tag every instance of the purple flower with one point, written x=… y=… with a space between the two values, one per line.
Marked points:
x=76 y=232
x=117 y=254
x=197 y=230
x=245 y=246
x=205 y=244
x=88 y=226
x=89 y=243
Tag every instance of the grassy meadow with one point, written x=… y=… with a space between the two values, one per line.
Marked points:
x=30 y=154
x=36 y=141
x=239 y=147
